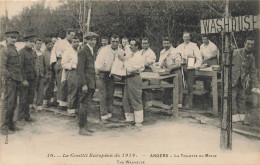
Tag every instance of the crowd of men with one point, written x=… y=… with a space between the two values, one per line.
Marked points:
x=78 y=70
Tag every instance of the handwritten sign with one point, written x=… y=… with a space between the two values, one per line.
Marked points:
x=234 y=24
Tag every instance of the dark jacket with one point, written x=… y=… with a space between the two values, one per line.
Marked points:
x=243 y=68
x=85 y=69
x=10 y=64
x=28 y=63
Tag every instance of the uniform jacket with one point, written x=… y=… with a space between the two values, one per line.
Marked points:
x=10 y=63
x=243 y=68
x=85 y=69
x=28 y=63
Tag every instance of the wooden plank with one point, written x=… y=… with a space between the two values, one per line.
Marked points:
x=159 y=104
x=161 y=110
x=158 y=86
x=56 y=111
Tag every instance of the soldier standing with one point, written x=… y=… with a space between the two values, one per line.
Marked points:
x=105 y=81
x=69 y=63
x=48 y=75
x=132 y=98
x=86 y=80
x=11 y=74
x=28 y=64
x=40 y=80
x=188 y=51
x=243 y=72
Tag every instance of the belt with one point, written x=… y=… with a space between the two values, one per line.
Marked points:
x=105 y=72
x=132 y=75
x=70 y=69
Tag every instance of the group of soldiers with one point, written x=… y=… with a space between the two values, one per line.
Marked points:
x=77 y=70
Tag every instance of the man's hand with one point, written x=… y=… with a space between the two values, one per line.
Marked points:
x=84 y=88
x=25 y=83
x=256 y=90
x=121 y=57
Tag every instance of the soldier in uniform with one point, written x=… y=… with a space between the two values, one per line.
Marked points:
x=28 y=63
x=40 y=80
x=243 y=72
x=105 y=81
x=132 y=97
x=11 y=74
x=171 y=61
x=189 y=50
x=86 y=80
x=149 y=59
x=48 y=75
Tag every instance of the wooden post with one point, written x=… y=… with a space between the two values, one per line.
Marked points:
x=175 y=96
x=226 y=123
x=214 y=85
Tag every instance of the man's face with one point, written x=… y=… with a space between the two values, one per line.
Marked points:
x=205 y=40
x=145 y=44
x=249 y=45
x=186 y=37
x=38 y=45
x=70 y=36
x=114 y=43
x=166 y=45
x=11 y=40
x=92 y=42
x=125 y=42
x=133 y=46
x=104 y=42
x=75 y=43
x=30 y=44
x=49 y=46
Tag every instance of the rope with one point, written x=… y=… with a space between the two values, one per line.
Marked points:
x=213 y=8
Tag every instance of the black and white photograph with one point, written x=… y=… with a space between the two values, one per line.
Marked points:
x=129 y=82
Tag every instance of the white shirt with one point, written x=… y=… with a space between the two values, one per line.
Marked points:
x=91 y=49
x=134 y=64
x=208 y=51
x=149 y=56
x=106 y=57
x=190 y=50
x=169 y=57
x=69 y=59
x=38 y=52
x=58 y=49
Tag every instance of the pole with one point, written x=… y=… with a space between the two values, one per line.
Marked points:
x=226 y=123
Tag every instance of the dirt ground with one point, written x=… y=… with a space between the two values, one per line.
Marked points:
x=162 y=140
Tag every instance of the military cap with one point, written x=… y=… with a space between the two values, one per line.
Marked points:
x=31 y=37
x=90 y=35
x=12 y=34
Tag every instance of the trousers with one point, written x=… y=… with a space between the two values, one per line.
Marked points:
x=132 y=98
x=85 y=100
x=49 y=88
x=11 y=90
x=39 y=90
x=106 y=89
x=72 y=89
x=26 y=97
x=238 y=99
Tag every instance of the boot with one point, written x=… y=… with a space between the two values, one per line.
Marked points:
x=84 y=132
x=139 y=118
x=235 y=118
x=71 y=111
x=45 y=104
x=129 y=117
x=6 y=131
x=14 y=128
